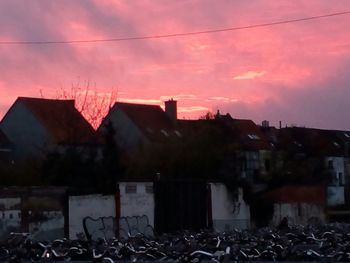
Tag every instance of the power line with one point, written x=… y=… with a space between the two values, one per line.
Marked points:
x=174 y=34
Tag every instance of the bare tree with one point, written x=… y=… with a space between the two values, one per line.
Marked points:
x=92 y=104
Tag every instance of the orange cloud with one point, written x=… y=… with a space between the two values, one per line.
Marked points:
x=192 y=109
x=140 y=101
x=250 y=75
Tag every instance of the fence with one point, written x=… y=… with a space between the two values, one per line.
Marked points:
x=124 y=227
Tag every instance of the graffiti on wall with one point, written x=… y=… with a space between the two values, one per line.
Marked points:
x=110 y=227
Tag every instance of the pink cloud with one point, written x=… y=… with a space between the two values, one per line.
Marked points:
x=250 y=75
x=277 y=65
x=140 y=101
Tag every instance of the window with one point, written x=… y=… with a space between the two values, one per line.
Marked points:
x=297 y=143
x=149 y=189
x=164 y=133
x=330 y=164
x=267 y=165
x=336 y=144
x=341 y=178
x=178 y=133
x=256 y=175
x=253 y=137
x=243 y=164
x=131 y=189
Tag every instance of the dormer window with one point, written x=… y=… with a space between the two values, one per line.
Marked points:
x=253 y=137
x=164 y=133
x=336 y=144
x=297 y=143
x=178 y=133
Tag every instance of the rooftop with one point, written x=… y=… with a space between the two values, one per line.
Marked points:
x=150 y=119
x=63 y=121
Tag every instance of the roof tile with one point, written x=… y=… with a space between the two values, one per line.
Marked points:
x=150 y=119
x=63 y=121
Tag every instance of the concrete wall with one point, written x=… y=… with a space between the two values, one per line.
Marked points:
x=297 y=213
x=49 y=227
x=25 y=132
x=83 y=206
x=10 y=216
x=335 y=195
x=44 y=212
x=41 y=216
x=37 y=210
x=226 y=212
x=137 y=203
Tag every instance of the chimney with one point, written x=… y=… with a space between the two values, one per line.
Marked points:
x=171 y=109
x=265 y=124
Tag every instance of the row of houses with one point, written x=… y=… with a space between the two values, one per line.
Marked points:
x=303 y=172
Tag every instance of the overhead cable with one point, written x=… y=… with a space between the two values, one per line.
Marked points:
x=118 y=39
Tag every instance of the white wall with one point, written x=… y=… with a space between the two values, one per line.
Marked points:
x=227 y=214
x=335 y=195
x=139 y=203
x=83 y=206
x=297 y=213
x=10 y=216
x=52 y=227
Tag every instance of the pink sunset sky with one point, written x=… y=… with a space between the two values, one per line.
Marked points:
x=297 y=73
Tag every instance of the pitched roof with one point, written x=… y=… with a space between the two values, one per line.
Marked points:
x=150 y=119
x=210 y=128
x=63 y=121
x=247 y=132
x=298 y=194
x=312 y=141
